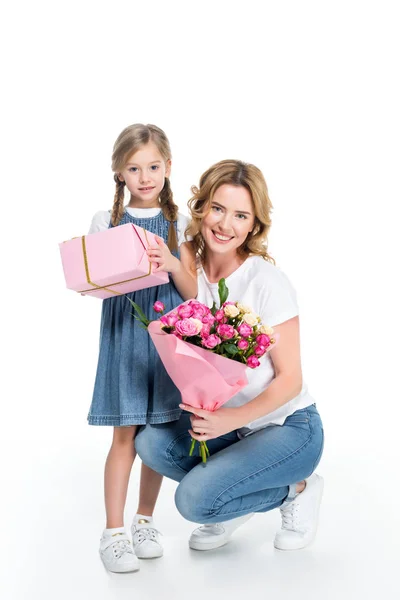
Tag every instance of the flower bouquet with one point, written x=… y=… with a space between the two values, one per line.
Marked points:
x=206 y=350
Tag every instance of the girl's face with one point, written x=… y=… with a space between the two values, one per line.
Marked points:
x=229 y=221
x=144 y=175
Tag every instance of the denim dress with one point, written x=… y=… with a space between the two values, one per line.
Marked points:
x=132 y=386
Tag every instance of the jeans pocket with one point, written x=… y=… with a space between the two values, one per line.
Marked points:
x=299 y=416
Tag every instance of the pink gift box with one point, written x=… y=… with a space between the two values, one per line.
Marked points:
x=111 y=262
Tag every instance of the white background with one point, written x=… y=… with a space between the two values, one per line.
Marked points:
x=309 y=92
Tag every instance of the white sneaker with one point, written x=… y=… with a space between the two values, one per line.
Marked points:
x=208 y=537
x=300 y=517
x=117 y=554
x=145 y=539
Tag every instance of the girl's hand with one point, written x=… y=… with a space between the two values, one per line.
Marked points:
x=162 y=256
x=207 y=425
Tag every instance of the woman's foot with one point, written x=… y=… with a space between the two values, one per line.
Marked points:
x=300 y=517
x=145 y=538
x=117 y=553
x=215 y=535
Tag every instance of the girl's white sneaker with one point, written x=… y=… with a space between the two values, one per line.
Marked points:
x=146 y=539
x=117 y=553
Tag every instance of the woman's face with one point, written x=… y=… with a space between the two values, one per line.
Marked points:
x=230 y=219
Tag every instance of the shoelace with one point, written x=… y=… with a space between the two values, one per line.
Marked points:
x=213 y=527
x=290 y=516
x=146 y=533
x=122 y=547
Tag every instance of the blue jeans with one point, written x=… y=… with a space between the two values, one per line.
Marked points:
x=253 y=474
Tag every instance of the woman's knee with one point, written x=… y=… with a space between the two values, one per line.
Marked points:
x=192 y=502
x=144 y=443
x=150 y=444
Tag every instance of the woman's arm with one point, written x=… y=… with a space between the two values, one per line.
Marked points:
x=288 y=379
x=183 y=271
x=286 y=385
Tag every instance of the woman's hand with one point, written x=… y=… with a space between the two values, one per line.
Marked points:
x=207 y=425
x=161 y=255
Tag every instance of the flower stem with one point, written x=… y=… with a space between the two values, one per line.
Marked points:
x=192 y=446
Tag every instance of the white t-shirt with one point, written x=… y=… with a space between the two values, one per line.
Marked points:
x=266 y=289
x=102 y=218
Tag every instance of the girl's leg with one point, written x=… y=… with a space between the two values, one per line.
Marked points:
x=115 y=546
x=116 y=474
x=145 y=536
x=150 y=484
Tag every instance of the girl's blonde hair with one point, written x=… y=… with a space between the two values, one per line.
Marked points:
x=238 y=173
x=129 y=141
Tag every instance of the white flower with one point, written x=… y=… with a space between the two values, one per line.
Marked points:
x=265 y=329
x=243 y=308
x=230 y=310
x=251 y=319
x=197 y=323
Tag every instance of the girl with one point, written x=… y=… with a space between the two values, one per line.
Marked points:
x=265 y=442
x=132 y=387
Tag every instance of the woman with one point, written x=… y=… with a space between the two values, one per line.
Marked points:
x=265 y=442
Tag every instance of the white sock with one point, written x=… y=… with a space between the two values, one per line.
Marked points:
x=113 y=531
x=138 y=516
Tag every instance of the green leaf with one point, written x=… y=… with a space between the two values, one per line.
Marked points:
x=213 y=309
x=141 y=316
x=231 y=349
x=223 y=291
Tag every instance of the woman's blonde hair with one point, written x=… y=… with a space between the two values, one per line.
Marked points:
x=129 y=141
x=238 y=173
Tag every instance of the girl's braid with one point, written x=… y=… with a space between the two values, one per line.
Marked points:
x=118 y=207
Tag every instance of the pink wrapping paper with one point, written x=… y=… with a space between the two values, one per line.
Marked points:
x=204 y=379
x=114 y=260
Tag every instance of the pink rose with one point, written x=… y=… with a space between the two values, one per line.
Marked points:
x=227 y=303
x=158 y=306
x=186 y=327
x=209 y=318
x=243 y=344
x=200 y=310
x=259 y=350
x=219 y=316
x=205 y=330
x=170 y=319
x=263 y=339
x=185 y=311
x=245 y=330
x=211 y=341
x=226 y=331
x=253 y=362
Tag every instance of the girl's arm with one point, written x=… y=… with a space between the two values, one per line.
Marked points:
x=285 y=386
x=183 y=271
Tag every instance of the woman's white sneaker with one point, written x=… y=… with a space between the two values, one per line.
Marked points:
x=117 y=554
x=215 y=535
x=146 y=539
x=300 y=517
